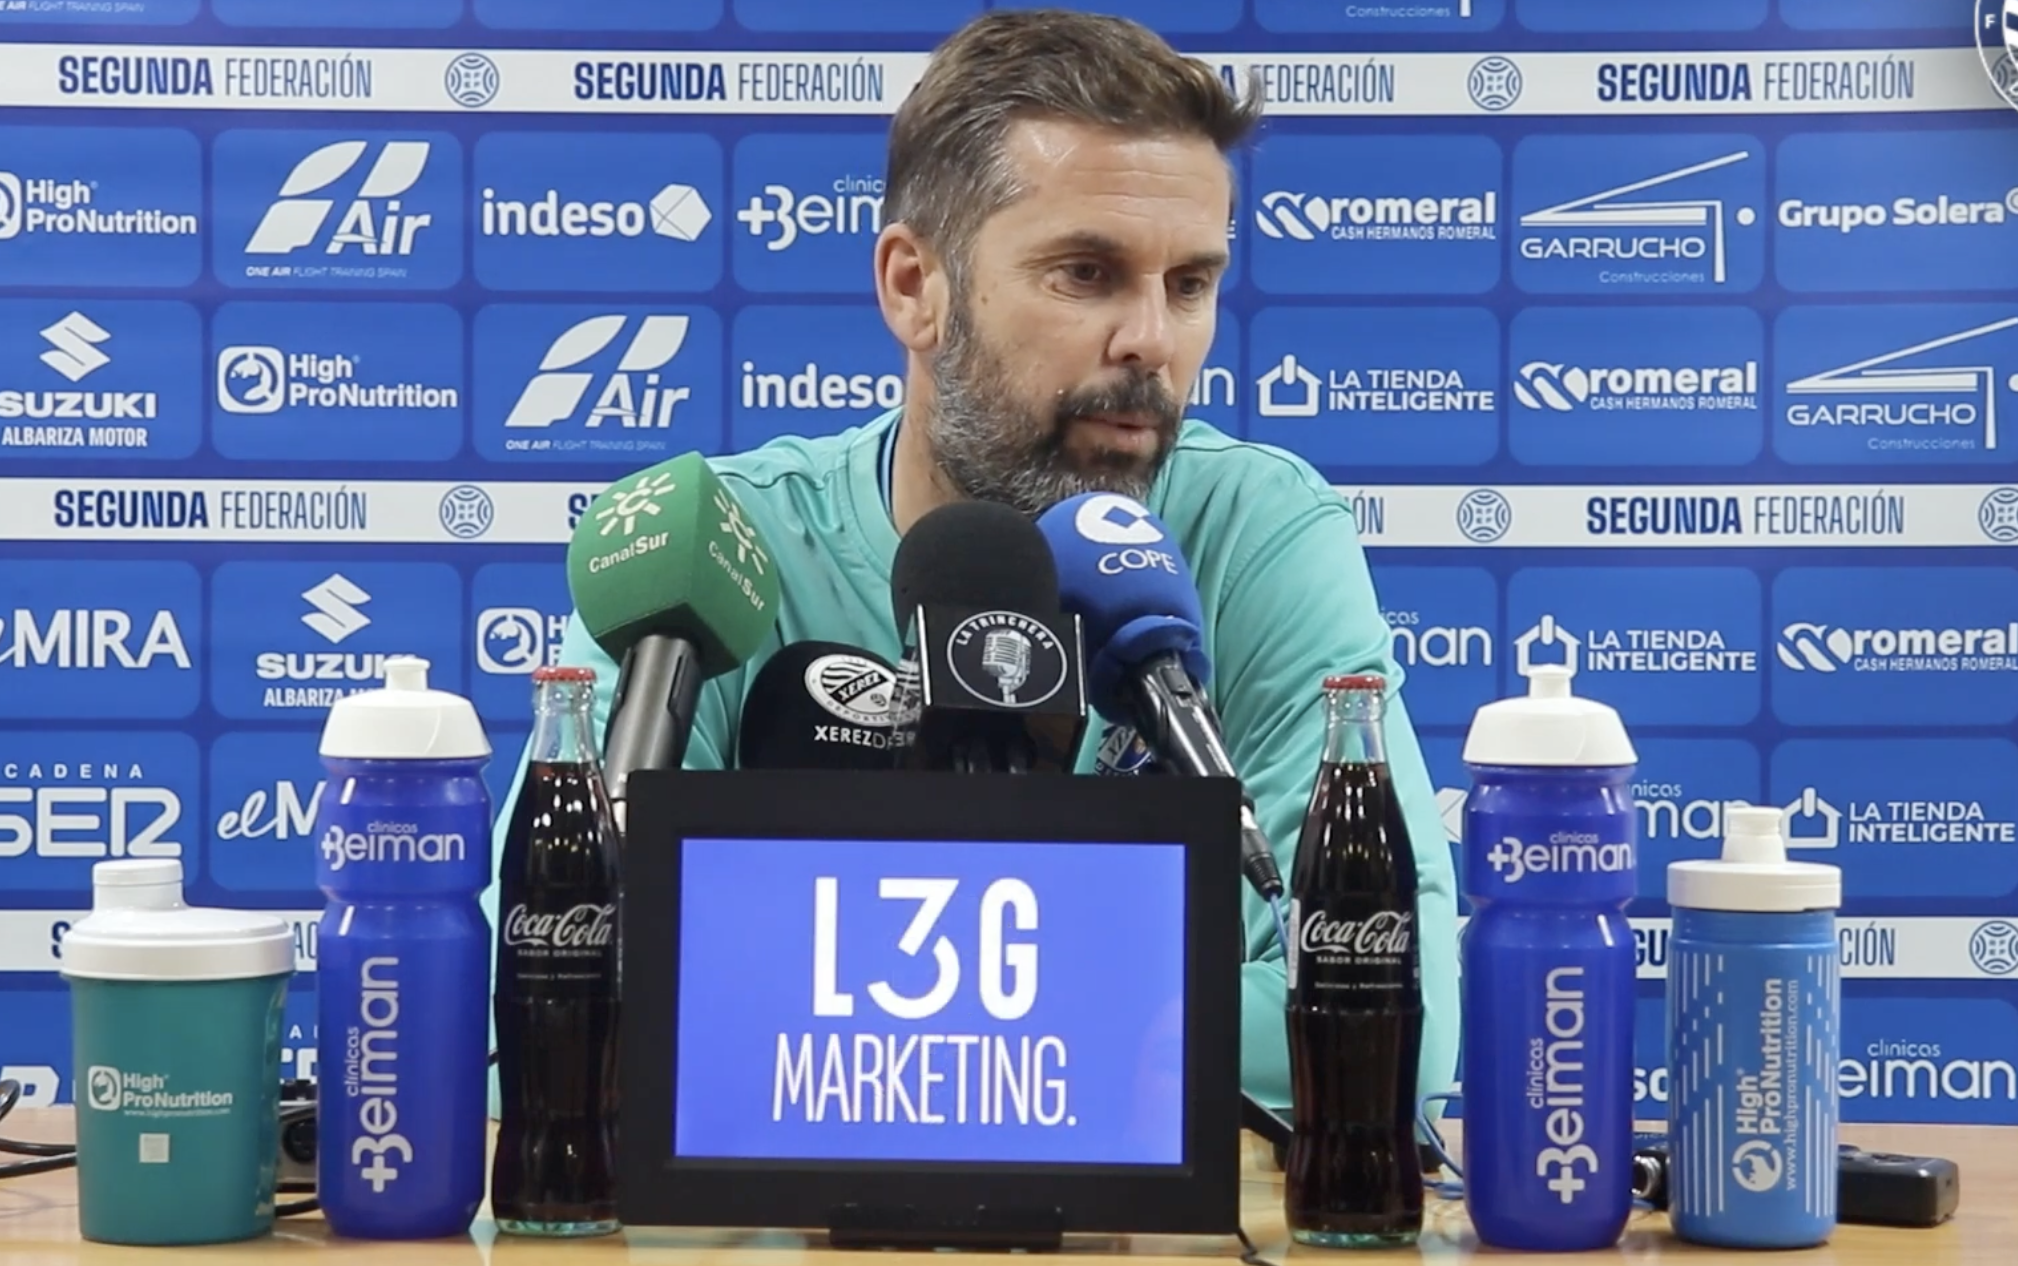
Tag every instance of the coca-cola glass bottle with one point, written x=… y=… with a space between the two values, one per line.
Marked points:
x=1353 y=1177
x=554 y=1171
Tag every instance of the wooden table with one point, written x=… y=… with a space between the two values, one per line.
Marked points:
x=38 y=1227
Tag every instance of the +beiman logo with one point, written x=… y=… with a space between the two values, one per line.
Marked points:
x=639 y=499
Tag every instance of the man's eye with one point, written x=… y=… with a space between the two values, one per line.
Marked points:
x=1085 y=274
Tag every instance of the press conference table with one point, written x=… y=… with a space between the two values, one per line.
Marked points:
x=38 y=1227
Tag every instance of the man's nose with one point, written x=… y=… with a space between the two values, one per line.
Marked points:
x=1144 y=338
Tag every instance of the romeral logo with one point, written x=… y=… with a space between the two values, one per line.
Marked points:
x=1823 y=648
x=1932 y=398
x=372 y=222
x=69 y=800
x=1309 y=217
x=1563 y=853
x=512 y=641
x=1672 y=220
x=1567 y=388
x=388 y=842
x=558 y=389
x=779 y=215
x=77 y=349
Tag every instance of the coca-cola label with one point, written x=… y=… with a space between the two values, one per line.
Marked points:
x=582 y=927
x=1347 y=946
x=1383 y=934
x=570 y=944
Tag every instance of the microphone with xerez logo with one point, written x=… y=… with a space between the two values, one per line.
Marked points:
x=670 y=578
x=991 y=679
x=817 y=705
x=1120 y=572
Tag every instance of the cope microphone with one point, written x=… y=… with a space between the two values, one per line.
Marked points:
x=992 y=679
x=1122 y=574
x=670 y=578
x=818 y=705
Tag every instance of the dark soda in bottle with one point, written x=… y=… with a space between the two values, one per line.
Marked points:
x=1353 y=1177
x=554 y=1171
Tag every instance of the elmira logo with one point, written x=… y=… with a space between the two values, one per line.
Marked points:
x=1997 y=43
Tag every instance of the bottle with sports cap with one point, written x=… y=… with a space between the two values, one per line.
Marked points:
x=1547 y=966
x=1754 y=1009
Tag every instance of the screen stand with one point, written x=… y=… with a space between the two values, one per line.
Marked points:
x=986 y=1228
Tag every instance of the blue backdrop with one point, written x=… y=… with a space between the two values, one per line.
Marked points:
x=1670 y=338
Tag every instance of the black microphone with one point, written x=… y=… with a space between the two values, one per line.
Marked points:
x=992 y=679
x=817 y=705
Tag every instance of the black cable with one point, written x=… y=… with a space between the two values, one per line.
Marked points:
x=1248 y=1253
x=49 y=1156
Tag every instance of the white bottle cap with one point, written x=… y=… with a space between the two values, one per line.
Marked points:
x=1548 y=726
x=404 y=721
x=1754 y=874
x=138 y=929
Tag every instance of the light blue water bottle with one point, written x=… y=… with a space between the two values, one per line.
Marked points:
x=1754 y=1001
x=1546 y=988
x=403 y=970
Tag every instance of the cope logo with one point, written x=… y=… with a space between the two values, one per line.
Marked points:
x=433 y=14
x=1601 y=15
x=1636 y=386
x=883 y=955
x=1905 y=817
x=293 y=638
x=807 y=209
x=86 y=206
x=1295 y=17
x=1916 y=645
x=358 y=210
x=578 y=383
x=521 y=612
x=1680 y=793
x=337 y=382
x=1892 y=211
x=1400 y=386
x=1639 y=214
x=265 y=790
x=86 y=640
x=1896 y=385
x=607 y=15
x=581 y=211
x=809 y=371
x=1377 y=215
x=1441 y=634
x=68 y=800
x=1677 y=646
x=108 y=379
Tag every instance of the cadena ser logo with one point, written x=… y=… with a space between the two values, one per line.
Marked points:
x=92 y=206
x=110 y=378
x=1899 y=384
x=1639 y=214
x=806 y=210
x=1898 y=211
x=292 y=638
x=1441 y=632
x=1377 y=215
x=360 y=211
x=598 y=211
x=575 y=383
x=1919 y=645
x=92 y=639
x=70 y=799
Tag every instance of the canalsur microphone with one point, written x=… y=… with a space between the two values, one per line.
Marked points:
x=817 y=705
x=1122 y=574
x=670 y=578
x=991 y=679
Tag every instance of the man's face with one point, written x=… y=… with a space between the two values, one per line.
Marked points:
x=1081 y=317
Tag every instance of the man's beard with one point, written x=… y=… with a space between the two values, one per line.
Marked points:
x=993 y=447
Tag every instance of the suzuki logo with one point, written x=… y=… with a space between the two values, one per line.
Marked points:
x=336 y=600
x=556 y=391
x=74 y=352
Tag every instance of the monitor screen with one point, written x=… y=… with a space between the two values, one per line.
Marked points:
x=930 y=1001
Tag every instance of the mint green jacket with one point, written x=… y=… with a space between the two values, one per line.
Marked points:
x=1287 y=601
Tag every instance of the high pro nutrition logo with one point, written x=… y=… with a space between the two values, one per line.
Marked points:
x=86 y=206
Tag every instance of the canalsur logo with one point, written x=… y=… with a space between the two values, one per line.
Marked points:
x=1997 y=44
x=641 y=501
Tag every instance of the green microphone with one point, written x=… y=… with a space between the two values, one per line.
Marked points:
x=670 y=578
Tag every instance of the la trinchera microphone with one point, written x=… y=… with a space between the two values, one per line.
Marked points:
x=670 y=578
x=1122 y=574
x=991 y=680
x=817 y=705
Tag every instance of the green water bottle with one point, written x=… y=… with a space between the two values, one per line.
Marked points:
x=175 y=1040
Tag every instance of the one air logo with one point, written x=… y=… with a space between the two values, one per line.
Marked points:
x=1881 y=392
x=336 y=602
x=738 y=529
x=632 y=394
x=1613 y=225
x=74 y=346
x=296 y=220
x=641 y=498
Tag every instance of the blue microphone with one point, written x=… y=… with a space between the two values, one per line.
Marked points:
x=1122 y=574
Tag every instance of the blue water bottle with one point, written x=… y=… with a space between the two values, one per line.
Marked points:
x=1754 y=1002
x=1547 y=964
x=403 y=970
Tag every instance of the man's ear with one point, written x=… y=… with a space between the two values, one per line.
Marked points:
x=910 y=288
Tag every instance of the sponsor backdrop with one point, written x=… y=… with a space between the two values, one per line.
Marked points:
x=1676 y=340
